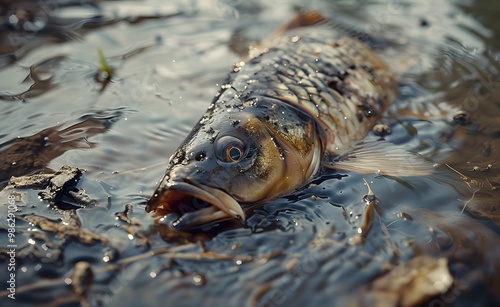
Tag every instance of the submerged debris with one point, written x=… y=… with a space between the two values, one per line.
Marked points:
x=124 y=216
x=364 y=228
x=180 y=237
x=33 y=181
x=461 y=118
x=381 y=130
x=473 y=185
x=70 y=230
x=412 y=283
x=58 y=188
x=81 y=278
x=67 y=176
x=82 y=198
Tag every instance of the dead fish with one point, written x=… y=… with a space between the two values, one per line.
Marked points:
x=300 y=101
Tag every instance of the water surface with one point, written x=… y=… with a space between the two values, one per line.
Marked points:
x=169 y=61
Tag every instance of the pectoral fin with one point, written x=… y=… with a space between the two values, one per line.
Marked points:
x=381 y=157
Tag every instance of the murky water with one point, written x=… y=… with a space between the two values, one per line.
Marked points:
x=169 y=60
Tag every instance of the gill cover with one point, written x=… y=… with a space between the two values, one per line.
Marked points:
x=234 y=159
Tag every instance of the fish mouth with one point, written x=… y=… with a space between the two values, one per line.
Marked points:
x=192 y=205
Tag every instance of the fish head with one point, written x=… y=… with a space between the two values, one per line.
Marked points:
x=231 y=161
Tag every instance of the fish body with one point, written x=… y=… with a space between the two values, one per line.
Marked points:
x=305 y=93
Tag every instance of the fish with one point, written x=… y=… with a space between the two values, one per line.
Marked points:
x=302 y=100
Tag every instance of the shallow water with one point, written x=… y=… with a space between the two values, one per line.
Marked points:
x=169 y=61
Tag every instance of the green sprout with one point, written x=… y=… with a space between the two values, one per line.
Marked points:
x=104 y=68
x=105 y=72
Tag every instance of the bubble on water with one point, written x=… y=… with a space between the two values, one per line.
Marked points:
x=13 y=19
x=199 y=280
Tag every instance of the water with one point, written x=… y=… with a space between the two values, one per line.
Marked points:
x=170 y=60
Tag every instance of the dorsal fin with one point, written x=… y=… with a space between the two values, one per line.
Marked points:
x=313 y=18
x=304 y=19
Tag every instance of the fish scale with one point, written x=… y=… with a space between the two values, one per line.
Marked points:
x=340 y=83
x=306 y=92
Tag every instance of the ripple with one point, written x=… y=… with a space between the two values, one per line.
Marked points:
x=303 y=249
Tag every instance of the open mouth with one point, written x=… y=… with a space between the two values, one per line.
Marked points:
x=194 y=205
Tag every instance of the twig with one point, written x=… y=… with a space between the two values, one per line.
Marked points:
x=171 y=253
x=469 y=182
x=472 y=197
x=133 y=170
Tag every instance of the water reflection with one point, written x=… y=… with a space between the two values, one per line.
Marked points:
x=170 y=59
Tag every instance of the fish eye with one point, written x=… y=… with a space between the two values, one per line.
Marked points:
x=230 y=149
x=234 y=153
